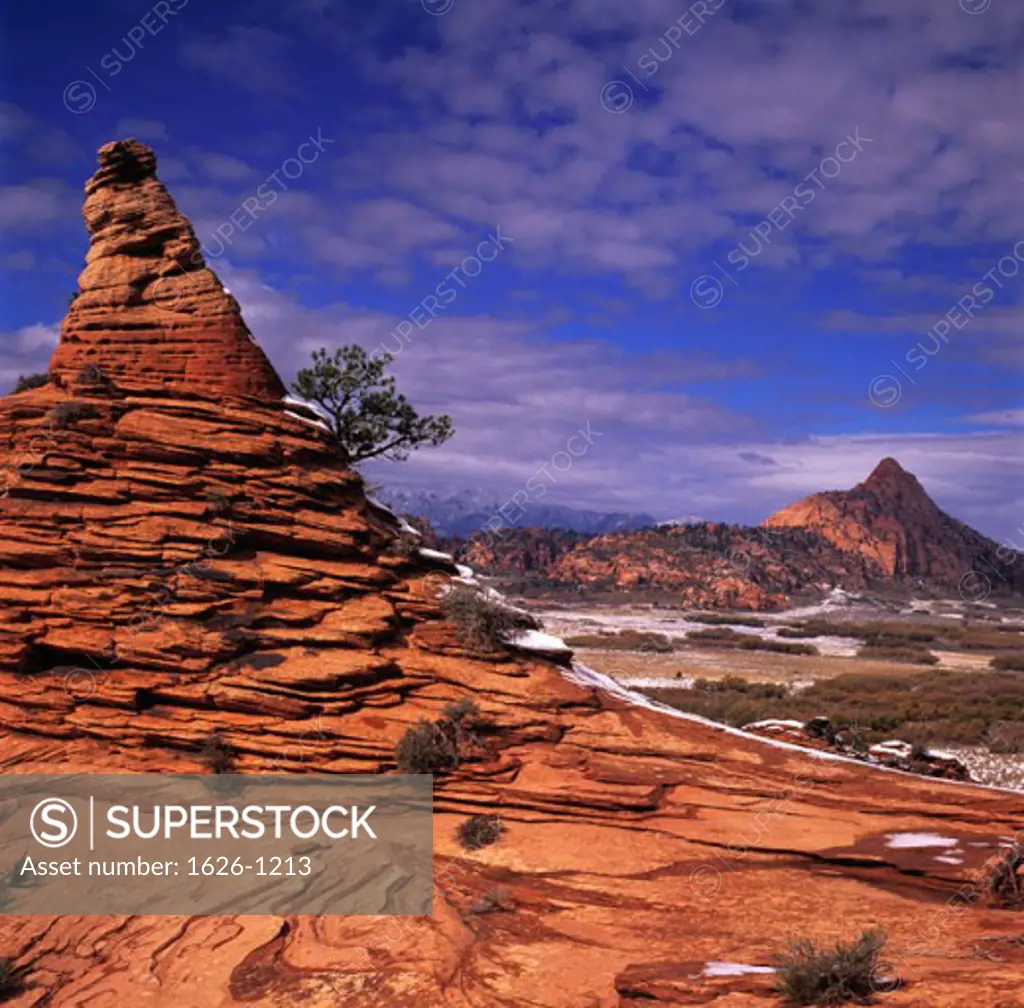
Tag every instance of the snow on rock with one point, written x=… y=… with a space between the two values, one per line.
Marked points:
x=319 y=424
x=906 y=841
x=893 y=747
x=535 y=640
x=467 y=574
x=408 y=529
x=774 y=723
x=432 y=554
x=721 y=969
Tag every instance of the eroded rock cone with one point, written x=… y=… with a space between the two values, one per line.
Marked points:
x=149 y=313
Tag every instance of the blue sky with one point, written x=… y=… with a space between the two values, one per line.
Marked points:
x=730 y=227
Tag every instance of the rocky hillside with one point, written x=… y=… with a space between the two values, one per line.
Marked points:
x=886 y=531
x=891 y=521
x=531 y=552
x=711 y=565
x=183 y=554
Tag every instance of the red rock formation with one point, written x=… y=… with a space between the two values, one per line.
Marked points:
x=148 y=312
x=890 y=520
x=173 y=565
x=708 y=566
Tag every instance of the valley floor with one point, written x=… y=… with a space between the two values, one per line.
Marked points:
x=647 y=648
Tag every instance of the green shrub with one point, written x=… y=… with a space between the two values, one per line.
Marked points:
x=480 y=831
x=624 y=640
x=781 y=647
x=1002 y=882
x=27 y=382
x=94 y=377
x=911 y=655
x=65 y=414
x=218 y=755
x=493 y=901
x=463 y=712
x=483 y=621
x=428 y=747
x=796 y=632
x=848 y=972
x=719 y=619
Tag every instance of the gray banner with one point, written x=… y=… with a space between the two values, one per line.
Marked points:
x=215 y=844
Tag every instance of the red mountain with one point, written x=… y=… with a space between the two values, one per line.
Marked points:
x=886 y=530
x=890 y=520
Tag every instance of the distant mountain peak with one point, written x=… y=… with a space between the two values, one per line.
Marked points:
x=890 y=519
x=889 y=477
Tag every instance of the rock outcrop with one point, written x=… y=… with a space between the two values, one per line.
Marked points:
x=819 y=734
x=707 y=566
x=175 y=565
x=891 y=521
x=148 y=313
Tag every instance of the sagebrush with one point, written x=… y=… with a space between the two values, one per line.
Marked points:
x=480 y=831
x=847 y=972
x=482 y=620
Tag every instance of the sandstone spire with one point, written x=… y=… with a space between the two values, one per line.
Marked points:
x=148 y=310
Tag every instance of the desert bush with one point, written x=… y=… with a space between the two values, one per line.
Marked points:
x=781 y=647
x=936 y=707
x=220 y=505
x=796 y=632
x=428 y=747
x=492 y=901
x=27 y=382
x=718 y=637
x=481 y=620
x=93 y=377
x=480 y=831
x=463 y=712
x=721 y=619
x=65 y=414
x=404 y=545
x=884 y=652
x=848 y=972
x=1008 y=663
x=218 y=755
x=1002 y=882
x=1006 y=737
x=624 y=640
x=762 y=690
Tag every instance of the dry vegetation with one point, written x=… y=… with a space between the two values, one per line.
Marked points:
x=931 y=707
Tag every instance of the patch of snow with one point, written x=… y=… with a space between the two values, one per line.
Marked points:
x=535 y=640
x=720 y=969
x=432 y=554
x=319 y=424
x=907 y=841
x=646 y=682
x=774 y=723
x=941 y=754
x=306 y=404
x=466 y=573
x=894 y=747
x=408 y=529
x=383 y=507
x=949 y=860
